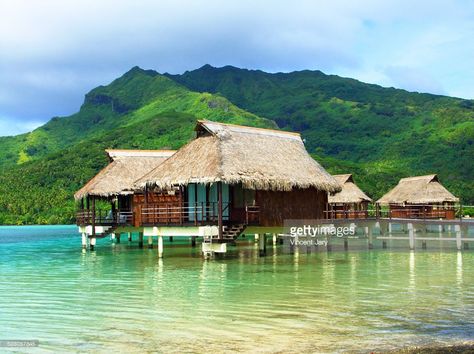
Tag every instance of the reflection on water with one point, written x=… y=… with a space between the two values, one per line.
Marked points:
x=127 y=299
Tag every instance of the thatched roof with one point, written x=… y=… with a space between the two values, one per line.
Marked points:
x=258 y=158
x=350 y=193
x=418 y=190
x=124 y=168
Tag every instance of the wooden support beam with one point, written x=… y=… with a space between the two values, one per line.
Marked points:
x=140 y=239
x=219 y=210
x=93 y=217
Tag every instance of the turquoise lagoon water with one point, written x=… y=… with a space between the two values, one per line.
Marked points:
x=121 y=298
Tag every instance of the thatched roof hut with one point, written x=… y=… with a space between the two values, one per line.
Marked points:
x=350 y=193
x=125 y=167
x=418 y=190
x=261 y=159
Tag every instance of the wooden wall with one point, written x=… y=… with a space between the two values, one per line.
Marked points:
x=158 y=199
x=276 y=206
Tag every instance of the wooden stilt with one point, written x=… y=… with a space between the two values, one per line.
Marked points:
x=140 y=239
x=219 y=211
x=150 y=242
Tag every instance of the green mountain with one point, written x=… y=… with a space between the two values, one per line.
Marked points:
x=380 y=134
x=140 y=110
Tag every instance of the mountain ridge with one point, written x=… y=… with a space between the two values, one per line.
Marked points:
x=379 y=134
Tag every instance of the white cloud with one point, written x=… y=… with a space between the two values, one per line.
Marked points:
x=53 y=51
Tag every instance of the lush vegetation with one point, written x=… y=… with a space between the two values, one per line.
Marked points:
x=378 y=134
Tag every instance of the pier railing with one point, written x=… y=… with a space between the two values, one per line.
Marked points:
x=420 y=212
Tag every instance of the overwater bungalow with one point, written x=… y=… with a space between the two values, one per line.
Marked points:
x=114 y=184
x=227 y=180
x=421 y=197
x=351 y=202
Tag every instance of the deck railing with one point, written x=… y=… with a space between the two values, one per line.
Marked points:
x=170 y=214
x=104 y=217
x=346 y=214
x=200 y=213
x=186 y=213
x=411 y=212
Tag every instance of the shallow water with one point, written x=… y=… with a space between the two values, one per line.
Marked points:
x=125 y=299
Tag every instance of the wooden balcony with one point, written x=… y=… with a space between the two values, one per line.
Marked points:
x=104 y=217
x=171 y=214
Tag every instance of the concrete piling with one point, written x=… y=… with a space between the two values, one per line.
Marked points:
x=262 y=245
x=160 y=246
x=92 y=243
x=84 y=240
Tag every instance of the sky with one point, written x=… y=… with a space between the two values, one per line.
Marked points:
x=52 y=52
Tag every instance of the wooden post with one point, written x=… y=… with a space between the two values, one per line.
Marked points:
x=219 y=210
x=160 y=246
x=93 y=217
x=140 y=239
x=114 y=212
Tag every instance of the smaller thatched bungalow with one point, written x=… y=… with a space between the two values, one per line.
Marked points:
x=114 y=184
x=351 y=202
x=420 y=197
